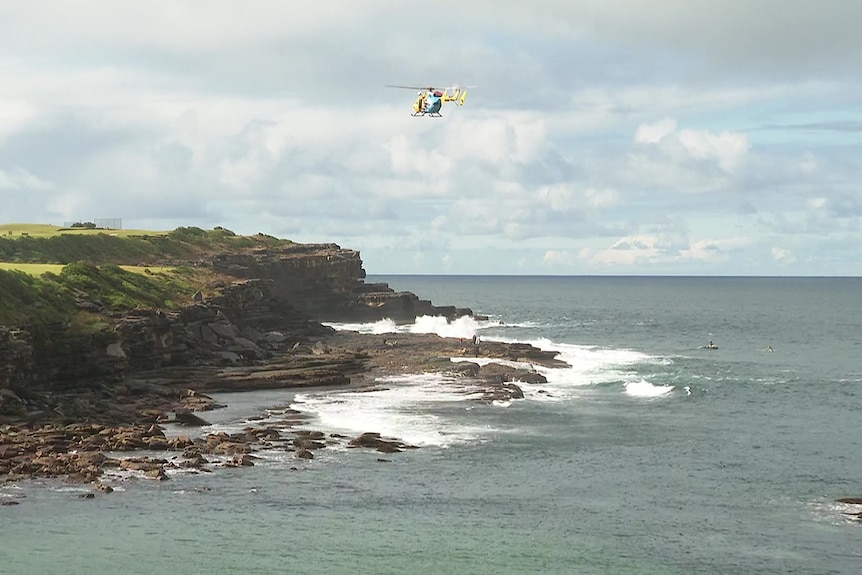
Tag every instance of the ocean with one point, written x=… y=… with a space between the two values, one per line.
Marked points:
x=651 y=454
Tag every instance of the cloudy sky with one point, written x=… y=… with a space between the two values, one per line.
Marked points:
x=677 y=137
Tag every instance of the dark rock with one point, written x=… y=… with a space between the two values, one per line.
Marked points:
x=372 y=440
x=308 y=444
x=186 y=417
x=99 y=486
x=304 y=454
x=243 y=460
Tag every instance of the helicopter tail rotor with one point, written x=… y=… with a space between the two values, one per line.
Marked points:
x=460 y=95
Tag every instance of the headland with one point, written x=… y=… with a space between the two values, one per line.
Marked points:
x=108 y=336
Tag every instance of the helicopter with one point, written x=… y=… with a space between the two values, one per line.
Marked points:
x=430 y=100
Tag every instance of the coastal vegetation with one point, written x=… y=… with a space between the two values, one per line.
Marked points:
x=50 y=274
x=81 y=287
x=53 y=245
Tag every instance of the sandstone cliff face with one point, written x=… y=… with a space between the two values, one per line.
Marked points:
x=278 y=300
x=245 y=324
x=16 y=361
x=328 y=283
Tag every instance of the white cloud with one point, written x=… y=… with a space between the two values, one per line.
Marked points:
x=14 y=114
x=22 y=181
x=714 y=250
x=558 y=259
x=817 y=203
x=728 y=150
x=783 y=255
x=627 y=251
x=665 y=246
x=655 y=132
x=601 y=199
x=592 y=125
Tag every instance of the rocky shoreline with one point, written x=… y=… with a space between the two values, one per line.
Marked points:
x=108 y=429
x=94 y=405
x=78 y=404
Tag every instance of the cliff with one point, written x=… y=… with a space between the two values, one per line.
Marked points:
x=327 y=282
x=121 y=335
x=261 y=302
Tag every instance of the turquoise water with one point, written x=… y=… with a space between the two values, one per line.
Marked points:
x=650 y=455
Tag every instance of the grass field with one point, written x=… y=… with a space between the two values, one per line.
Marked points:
x=39 y=269
x=48 y=230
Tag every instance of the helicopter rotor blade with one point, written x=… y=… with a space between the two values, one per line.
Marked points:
x=407 y=87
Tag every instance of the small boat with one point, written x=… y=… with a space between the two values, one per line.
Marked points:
x=710 y=346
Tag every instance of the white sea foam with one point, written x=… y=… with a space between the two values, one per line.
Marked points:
x=403 y=408
x=643 y=388
x=464 y=326
x=72 y=489
x=406 y=408
x=378 y=327
x=9 y=487
x=590 y=366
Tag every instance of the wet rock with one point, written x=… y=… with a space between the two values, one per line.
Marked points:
x=231 y=448
x=156 y=474
x=373 y=440
x=186 y=417
x=308 y=444
x=195 y=461
x=465 y=369
x=144 y=464
x=388 y=447
x=266 y=434
x=243 y=460
x=99 y=486
x=180 y=442
x=498 y=373
x=304 y=454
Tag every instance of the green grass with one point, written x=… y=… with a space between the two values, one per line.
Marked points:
x=39 y=269
x=31 y=269
x=45 y=272
x=52 y=297
x=49 y=230
x=48 y=245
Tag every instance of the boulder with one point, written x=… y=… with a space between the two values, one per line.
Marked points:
x=372 y=440
x=304 y=454
x=186 y=417
x=231 y=448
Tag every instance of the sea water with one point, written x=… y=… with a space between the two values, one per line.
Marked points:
x=650 y=454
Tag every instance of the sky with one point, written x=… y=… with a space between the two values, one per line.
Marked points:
x=633 y=137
